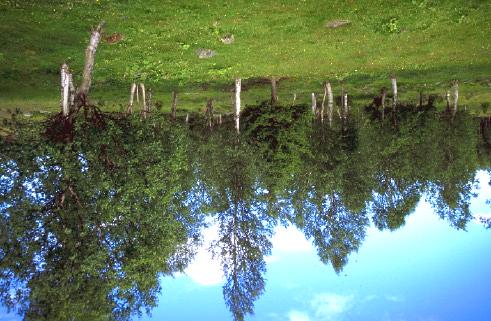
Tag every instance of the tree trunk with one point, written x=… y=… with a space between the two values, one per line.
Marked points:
x=294 y=98
x=209 y=111
x=142 y=86
x=447 y=96
x=72 y=90
x=314 y=104
x=132 y=97
x=174 y=105
x=394 y=92
x=65 y=89
x=384 y=95
x=237 y=104
x=138 y=94
x=345 y=104
x=95 y=38
x=455 y=96
x=149 y=100
x=274 y=93
x=330 y=103
x=323 y=108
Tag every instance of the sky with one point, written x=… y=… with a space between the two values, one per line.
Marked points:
x=424 y=271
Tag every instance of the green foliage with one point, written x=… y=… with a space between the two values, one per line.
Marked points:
x=98 y=242
x=89 y=224
x=485 y=107
x=391 y=26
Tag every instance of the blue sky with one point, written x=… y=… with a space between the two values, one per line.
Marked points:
x=425 y=271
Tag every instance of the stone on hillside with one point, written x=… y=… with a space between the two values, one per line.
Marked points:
x=114 y=38
x=205 y=53
x=337 y=23
x=227 y=39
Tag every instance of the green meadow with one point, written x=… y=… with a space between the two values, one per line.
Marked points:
x=427 y=44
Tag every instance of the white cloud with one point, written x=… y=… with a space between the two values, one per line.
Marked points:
x=295 y=315
x=394 y=298
x=271 y=258
x=204 y=269
x=368 y=298
x=290 y=239
x=328 y=306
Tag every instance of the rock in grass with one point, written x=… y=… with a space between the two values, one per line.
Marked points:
x=205 y=53
x=337 y=23
x=227 y=39
x=114 y=38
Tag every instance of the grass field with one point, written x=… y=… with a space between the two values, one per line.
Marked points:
x=422 y=41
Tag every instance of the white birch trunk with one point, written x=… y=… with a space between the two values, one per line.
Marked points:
x=144 y=100
x=455 y=96
x=95 y=38
x=132 y=97
x=330 y=102
x=323 y=105
x=294 y=98
x=345 y=104
x=65 y=88
x=72 y=90
x=237 y=104
x=187 y=118
x=314 y=104
x=394 y=92
x=142 y=86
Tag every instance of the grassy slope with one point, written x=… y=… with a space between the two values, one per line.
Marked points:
x=426 y=41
